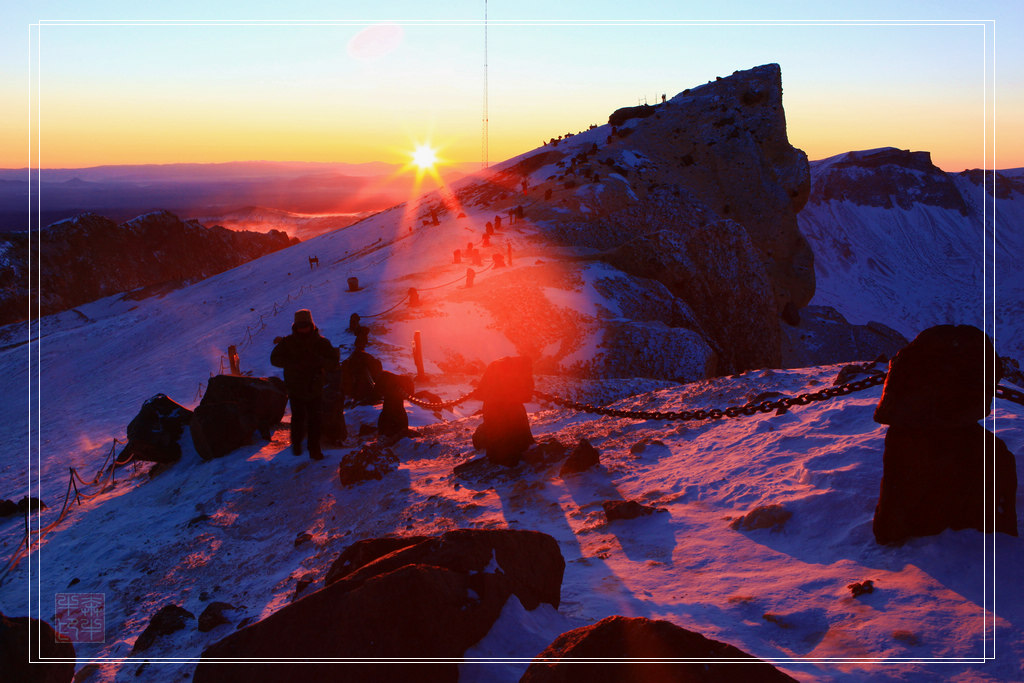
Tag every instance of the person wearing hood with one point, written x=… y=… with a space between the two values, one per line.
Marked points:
x=305 y=355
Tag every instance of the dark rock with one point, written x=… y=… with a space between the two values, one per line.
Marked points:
x=627 y=509
x=394 y=389
x=530 y=560
x=823 y=337
x=302 y=537
x=154 y=433
x=849 y=373
x=583 y=457
x=365 y=551
x=945 y=377
x=772 y=516
x=369 y=462
x=433 y=599
x=716 y=270
x=232 y=409
x=26 y=505
x=301 y=585
x=545 y=452
x=19 y=635
x=637 y=638
x=213 y=616
x=623 y=114
x=7 y=508
x=863 y=588
x=1011 y=370
x=505 y=434
x=935 y=479
x=167 y=620
x=219 y=428
x=264 y=397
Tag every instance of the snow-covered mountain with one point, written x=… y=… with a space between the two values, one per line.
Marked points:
x=899 y=241
x=632 y=267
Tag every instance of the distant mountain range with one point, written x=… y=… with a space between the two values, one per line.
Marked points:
x=88 y=257
x=190 y=190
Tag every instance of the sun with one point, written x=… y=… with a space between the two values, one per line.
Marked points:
x=424 y=157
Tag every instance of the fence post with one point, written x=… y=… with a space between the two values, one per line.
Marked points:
x=233 y=360
x=417 y=354
x=470 y=275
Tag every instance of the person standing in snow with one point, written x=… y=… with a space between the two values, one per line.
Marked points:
x=305 y=355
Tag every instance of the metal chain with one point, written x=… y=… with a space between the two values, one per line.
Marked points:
x=1010 y=394
x=779 y=406
x=442 y=405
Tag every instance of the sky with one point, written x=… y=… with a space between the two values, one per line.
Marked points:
x=358 y=82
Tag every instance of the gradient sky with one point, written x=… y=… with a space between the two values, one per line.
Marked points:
x=370 y=86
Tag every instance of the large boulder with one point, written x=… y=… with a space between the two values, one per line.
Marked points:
x=232 y=409
x=167 y=620
x=154 y=433
x=366 y=551
x=638 y=638
x=433 y=599
x=264 y=397
x=17 y=636
x=937 y=479
x=947 y=376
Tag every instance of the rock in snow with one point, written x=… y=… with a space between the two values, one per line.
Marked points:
x=637 y=638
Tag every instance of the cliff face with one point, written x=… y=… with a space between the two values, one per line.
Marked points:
x=700 y=193
x=89 y=257
x=899 y=241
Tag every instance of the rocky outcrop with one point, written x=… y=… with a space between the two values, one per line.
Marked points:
x=154 y=433
x=637 y=638
x=89 y=257
x=822 y=336
x=431 y=599
x=716 y=270
x=886 y=177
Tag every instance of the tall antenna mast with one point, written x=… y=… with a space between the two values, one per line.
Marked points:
x=484 y=143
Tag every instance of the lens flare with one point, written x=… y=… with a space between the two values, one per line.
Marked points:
x=424 y=157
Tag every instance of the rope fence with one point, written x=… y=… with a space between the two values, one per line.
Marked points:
x=29 y=539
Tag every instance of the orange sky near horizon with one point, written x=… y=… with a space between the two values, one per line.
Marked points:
x=290 y=94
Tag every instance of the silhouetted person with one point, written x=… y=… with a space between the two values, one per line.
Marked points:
x=305 y=355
